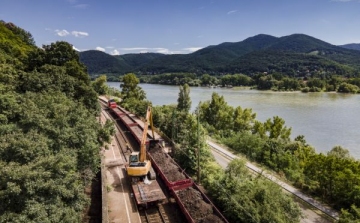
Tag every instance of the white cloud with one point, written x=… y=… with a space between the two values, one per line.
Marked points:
x=63 y=32
x=100 y=49
x=162 y=50
x=76 y=49
x=79 y=33
x=192 y=49
x=115 y=52
x=231 y=12
x=176 y=52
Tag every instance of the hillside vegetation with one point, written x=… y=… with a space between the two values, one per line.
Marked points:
x=352 y=46
x=261 y=53
x=49 y=135
x=100 y=62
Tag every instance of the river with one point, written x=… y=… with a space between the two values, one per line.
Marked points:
x=325 y=119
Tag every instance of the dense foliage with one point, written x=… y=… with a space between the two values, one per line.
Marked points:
x=49 y=135
x=133 y=97
x=333 y=177
x=245 y=198
x=98 y=62
x=184 y=101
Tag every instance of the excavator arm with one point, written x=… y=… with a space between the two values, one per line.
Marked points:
x=148 y=118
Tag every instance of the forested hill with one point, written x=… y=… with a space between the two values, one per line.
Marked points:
x=352 y=46
x=49 y=135
x=260 y=53
x=100 y=62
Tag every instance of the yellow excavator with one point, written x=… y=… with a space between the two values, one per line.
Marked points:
x=139 y=166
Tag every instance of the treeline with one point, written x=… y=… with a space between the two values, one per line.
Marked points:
x=333 y=177
x=261 y=81
x=241 y=196
x=49 y=134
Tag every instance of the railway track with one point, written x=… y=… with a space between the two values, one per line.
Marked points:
x=155 y=214
x=120 y=137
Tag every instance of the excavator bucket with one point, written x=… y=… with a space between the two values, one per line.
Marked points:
x=153 y=143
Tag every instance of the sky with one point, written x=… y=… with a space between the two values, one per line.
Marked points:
x=179 y=26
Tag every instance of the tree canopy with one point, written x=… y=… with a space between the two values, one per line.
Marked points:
x=49 y=134
x=184 y=100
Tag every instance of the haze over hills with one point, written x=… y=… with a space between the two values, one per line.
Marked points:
x=291 y=55
x=352 y=46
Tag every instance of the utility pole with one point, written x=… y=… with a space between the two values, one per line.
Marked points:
x=173 y=133
x=198 y=150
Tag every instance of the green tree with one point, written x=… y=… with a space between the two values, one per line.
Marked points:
x=316 y=83
x=348 y=88
x=243 y=119
x=246 y=143
x=133 y=96
x=59 y=53
x=339 y=153
x=25 y=36
x=350 y=216
x=266 y=82
x=247 y=199
x=277 y=129
x=206 y=79
x=184 y=100
x=217 y=113
x=99 y=85
x=130 y=88
x=49 y=134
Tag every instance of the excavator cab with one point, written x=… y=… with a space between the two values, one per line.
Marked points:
x=134 y=160
x=134 y=157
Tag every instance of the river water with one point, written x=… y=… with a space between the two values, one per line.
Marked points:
x=325 y=119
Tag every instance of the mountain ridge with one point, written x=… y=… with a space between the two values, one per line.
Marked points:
x=234 y=57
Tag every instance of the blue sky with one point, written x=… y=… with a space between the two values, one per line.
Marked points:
x=179 y=26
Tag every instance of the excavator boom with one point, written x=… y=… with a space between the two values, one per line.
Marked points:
x=139 y=165
x=148 y=118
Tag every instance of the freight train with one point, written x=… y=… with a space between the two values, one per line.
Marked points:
x=178 y=183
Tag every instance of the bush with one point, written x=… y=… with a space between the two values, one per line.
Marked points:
x=305 y=89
